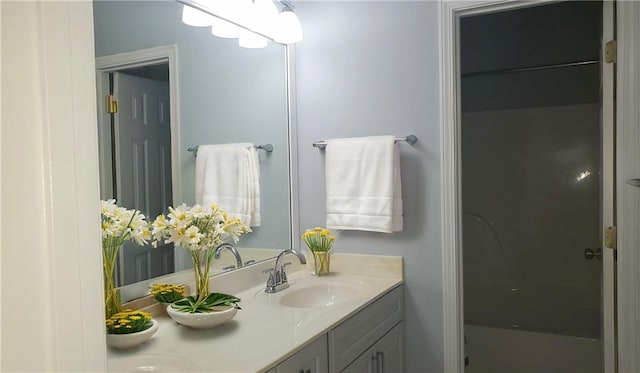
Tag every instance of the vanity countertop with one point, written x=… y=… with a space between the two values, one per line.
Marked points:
x=264 y=332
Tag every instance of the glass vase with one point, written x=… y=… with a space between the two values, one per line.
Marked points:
x=201 y=266
x=111 y=293
x=322 y=262
x=111 y=300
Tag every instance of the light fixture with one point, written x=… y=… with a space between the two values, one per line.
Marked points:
x=250 y=39
x=254 y=22
x=289 y=28
x=194 y=17
x=224 y=29
x=232 y=10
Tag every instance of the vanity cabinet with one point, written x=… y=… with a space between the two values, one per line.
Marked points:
x=385 y=356
x=311 y=359
x=370 y=341
x=355 y=336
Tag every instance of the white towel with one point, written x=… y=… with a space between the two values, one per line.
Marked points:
x=363 y=184
x=229 y=175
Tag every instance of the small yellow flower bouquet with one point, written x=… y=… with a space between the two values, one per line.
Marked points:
x=167 y=293
x=319 y=241
x=129 y=321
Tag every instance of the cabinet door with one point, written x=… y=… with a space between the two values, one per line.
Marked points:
x=365 y=363
x=385 y=356
x=389 y=351
x=353 y=337
x=312 y=359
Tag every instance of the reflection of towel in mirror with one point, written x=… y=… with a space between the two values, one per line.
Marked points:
x=229 y=175
x=363 y=184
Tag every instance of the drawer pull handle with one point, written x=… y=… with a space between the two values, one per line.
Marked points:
x=380 y=358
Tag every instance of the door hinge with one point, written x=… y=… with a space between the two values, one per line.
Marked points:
x=610 y=237
x=611 y=52
x=112 y=104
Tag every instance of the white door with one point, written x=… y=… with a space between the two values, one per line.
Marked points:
x=143 y=167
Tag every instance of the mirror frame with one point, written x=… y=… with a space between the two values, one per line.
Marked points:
x=168 y=54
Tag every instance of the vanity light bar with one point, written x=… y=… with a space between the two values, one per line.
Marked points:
x=411 y=139
x=266 y=147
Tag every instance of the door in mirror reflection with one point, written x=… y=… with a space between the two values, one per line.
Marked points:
x=142 y=148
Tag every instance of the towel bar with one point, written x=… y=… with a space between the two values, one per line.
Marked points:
x=411 y=139
x=266 y=147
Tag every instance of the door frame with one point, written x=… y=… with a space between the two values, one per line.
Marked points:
x=627 y=196
x=121 y=61
x=450 y=135
x=126 y=60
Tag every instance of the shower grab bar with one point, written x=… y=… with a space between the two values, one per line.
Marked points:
x=495 y=233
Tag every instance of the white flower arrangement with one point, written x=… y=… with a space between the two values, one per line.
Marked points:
x=200 y=231
x=196 y=228
x=118 y=224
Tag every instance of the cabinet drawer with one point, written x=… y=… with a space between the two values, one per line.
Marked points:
x=353 y=337
x=385 y=356
x=311 y=359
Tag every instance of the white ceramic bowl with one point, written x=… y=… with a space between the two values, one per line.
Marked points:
x=202 y=320
x=133 y=339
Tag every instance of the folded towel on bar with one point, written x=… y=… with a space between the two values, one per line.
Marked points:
x=364 y=191
x=229 y=175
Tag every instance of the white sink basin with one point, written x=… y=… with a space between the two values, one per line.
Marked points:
x=318 y=295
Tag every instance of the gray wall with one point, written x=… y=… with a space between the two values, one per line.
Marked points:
x=371 y=68
x=226 y=94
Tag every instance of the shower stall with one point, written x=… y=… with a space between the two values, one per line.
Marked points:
x=531 y=188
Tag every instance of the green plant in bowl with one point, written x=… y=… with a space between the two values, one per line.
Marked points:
x=211 y=303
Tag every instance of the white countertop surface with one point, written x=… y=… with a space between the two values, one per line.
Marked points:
x=264 y=332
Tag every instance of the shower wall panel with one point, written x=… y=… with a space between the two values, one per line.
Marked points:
x=531 y=197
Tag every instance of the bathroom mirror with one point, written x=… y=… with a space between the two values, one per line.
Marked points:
x=217 y=93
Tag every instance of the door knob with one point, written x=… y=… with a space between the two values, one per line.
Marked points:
x=590 y=254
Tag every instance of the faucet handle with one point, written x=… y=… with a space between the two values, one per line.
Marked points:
x=272 y=279
x=283 y=274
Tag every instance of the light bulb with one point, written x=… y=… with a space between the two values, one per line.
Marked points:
x=263 y=15
x=194 y=17
x=224 y=29
x=289 y=28
x=252 y=40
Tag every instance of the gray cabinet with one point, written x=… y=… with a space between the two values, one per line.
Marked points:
x=311 y=359
x=385 y=356
x=352 y=338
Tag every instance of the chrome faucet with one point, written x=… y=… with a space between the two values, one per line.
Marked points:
x=277 y=276
x=233 y=250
